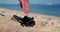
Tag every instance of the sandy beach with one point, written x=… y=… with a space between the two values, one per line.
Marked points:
x=44 y=23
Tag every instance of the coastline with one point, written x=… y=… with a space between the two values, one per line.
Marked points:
x=53 y=22
x=33 y=12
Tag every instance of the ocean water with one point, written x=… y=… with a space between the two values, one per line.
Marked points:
x=42 y=9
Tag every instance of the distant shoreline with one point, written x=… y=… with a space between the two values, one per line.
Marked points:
x=39 y=9
x=31 y=12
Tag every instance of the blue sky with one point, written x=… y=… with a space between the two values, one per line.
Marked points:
x=31 y=1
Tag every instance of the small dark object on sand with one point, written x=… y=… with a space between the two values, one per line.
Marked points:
x=2 y=14
x=25 y=21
